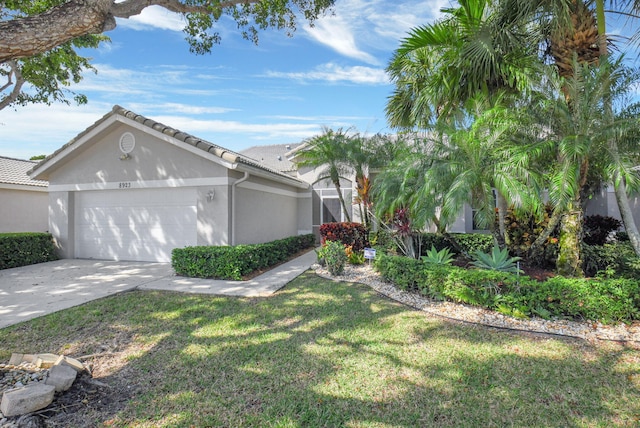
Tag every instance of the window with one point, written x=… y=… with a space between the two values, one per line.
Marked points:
x=331 y=210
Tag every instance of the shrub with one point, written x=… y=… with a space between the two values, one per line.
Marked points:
x=224 y=262
x=334 y=256
x=617 y=257
x=350 y=234
x=354 y=257
x=469 y=242
x=383 y=240
x=22 y=249
x=606 y=300
x=523 y=229
x=597 y=229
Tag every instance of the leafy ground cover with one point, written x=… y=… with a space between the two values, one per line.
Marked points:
x=324 y=353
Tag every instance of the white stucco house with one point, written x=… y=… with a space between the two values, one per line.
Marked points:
x=130 y=188
x=24 y=202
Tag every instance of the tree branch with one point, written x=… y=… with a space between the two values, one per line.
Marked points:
x=32 y=35
x=14 y=69
x=129 y=8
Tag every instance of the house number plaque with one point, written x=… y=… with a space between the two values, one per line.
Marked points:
x=124 y=185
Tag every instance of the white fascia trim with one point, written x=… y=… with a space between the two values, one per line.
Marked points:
x=267 y=189
x=25 y=187
x=291 y=181
x=174 y=141
x=149 y=184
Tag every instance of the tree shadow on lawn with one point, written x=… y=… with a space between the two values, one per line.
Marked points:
x=323 y=353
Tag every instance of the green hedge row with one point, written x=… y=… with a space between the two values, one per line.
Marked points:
x=606 y=300
x=22 y=249
x=237 y=261
x=469 y=242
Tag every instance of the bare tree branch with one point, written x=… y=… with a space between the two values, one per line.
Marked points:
x=14 y=69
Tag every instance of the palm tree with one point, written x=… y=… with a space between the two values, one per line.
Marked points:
x=575 y=30
x=329 y=152
x=461 y=163
x=573 y=118
x=440 y=66
x=367 y=155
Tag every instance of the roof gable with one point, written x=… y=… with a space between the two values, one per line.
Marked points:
x=187 y=141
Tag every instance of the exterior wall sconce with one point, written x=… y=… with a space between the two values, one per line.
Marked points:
x=125 y=156
x=210 y=195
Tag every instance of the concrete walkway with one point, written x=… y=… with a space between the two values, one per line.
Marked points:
x=32 y=291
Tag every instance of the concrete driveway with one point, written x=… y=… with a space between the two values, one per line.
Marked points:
x=32 y=291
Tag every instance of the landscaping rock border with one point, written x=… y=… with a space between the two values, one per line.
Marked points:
x=591 y=331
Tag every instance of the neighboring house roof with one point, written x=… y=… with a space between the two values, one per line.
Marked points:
x=206 y=146
x=14 y=172
x=273 y=156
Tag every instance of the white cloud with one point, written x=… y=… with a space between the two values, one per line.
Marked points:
x=335 y=73
x=334 y=32
x=183 y=108
x=56 y=125
x=212 y=127
x=361 y=26
x=154 y=17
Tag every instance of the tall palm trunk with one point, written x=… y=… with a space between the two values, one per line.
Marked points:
x=569 y=262
x=502 y=211
x=336 y=183
x=577 y=42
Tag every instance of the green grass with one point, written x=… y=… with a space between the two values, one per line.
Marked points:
x=322 y=353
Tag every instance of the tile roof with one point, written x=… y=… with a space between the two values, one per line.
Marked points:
x=14 y=171
x=272 y=156
x=221 y=152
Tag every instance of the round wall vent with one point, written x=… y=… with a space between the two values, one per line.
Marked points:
x=127 y=143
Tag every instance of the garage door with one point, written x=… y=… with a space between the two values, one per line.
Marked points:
x=134 y=224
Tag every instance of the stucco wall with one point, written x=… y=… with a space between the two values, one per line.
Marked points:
x=61 y=219
x=152 y=159
x=265 y=211
x=23 y=210
x=213 y=215
x=604 y=203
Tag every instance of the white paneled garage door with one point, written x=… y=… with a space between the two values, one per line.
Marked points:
x=134 y=224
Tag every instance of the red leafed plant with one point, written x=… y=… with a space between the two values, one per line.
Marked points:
x=350 y=234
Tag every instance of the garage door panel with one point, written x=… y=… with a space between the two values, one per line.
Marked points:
x=138 y=224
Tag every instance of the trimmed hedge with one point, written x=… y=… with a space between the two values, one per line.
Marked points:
x=606 y=300
x=469 y=242
x=22 y=249
x=237 y=261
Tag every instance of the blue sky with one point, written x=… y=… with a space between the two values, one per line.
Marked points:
x=282 y=91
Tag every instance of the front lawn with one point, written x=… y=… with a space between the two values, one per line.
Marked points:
x=324 y=353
